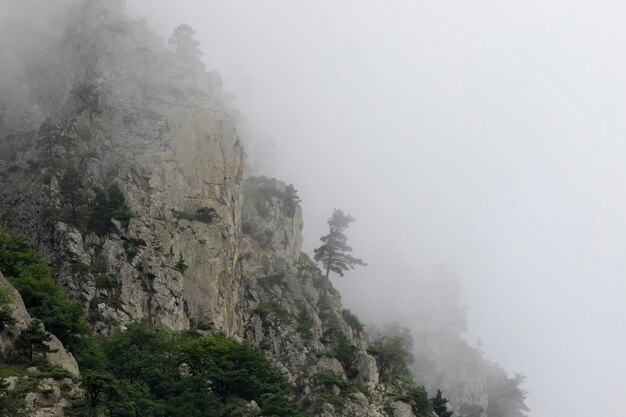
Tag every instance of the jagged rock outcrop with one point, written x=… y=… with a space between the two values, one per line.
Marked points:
x=293 y=312
x=140 y=118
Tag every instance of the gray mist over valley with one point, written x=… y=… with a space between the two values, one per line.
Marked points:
x=480 y=146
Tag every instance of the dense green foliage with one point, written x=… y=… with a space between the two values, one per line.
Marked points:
x=334 y=252
x=440 y=405
x=417 y=397
x=6 y=318
x=106 y=205
x=44 y=299
x=33 y=341
x=153 y=372
x=73 y=196
x=392 y=357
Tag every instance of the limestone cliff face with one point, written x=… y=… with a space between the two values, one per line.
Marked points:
x=157 y=128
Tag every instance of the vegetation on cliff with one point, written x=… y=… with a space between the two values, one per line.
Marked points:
x=143 y=369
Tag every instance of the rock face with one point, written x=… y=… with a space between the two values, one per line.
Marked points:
x=292 y=311
x=156 y=127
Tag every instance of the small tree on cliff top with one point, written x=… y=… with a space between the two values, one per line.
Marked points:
x=187 y=48
x=334 y=253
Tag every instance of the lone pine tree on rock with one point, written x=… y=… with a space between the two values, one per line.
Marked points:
x=334 y=253
x=187 y=48
x=33 y=340
x=440 y=405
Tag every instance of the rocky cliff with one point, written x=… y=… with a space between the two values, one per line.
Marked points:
x=110 y=123
x=134 y=116
x=121 y=164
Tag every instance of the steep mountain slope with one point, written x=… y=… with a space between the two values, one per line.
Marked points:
x=135 y=116
x=120 y=163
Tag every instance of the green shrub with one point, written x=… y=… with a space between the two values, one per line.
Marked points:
x=203 y=215
x=142 y=373
x=418 y=399
x=392 y=357
x=107 y=282
x=261 y=193
x=342 y=350
x=107 y=205
x=6 y=318
x=181 y=266
x=6 y=314
x=206 y=214
x=327 y=379
x=337 y=401
x=15 y=254
x=304 y=327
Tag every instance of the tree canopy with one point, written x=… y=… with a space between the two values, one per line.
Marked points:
x=187 y=48
x=440 y=405
x=334 y=254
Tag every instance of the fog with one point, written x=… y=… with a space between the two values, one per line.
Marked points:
x=485 y=136
x=482 y=138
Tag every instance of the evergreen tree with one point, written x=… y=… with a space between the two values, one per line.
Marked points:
x=107 y=205
x=334 y=253
x=49 y=138
x=187 y=48
x=67 y=138
x=71 y=187
x=34 y=340
x=440 y=405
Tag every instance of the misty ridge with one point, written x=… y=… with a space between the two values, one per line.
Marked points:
x=278 y=209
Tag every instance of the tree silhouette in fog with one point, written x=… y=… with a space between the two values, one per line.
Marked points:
x=334 y=252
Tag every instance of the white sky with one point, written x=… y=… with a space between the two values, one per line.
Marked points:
x=485 y=135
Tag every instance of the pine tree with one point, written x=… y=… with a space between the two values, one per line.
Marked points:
x=334 y=253
x=440 y=405
x=34 y=340
x=49 y=139
x=71 y=188
x=187 y=48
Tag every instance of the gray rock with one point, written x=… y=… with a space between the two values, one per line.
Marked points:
x=330 y=365
x=367 y=370
x=402 y=409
